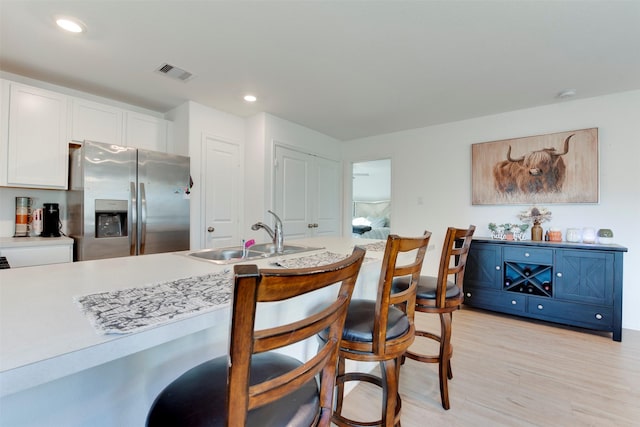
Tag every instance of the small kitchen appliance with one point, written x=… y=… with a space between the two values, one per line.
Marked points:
x=50 y=220
x=23 y=216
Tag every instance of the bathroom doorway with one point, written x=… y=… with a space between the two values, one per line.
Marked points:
x=371 y=199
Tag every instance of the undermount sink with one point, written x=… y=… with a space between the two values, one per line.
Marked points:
x=226 y=255
x=234 y=254
x=270 y=248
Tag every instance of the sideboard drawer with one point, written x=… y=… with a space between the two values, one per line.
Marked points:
x=587 y=315
x=509 y=302
x=528 y=254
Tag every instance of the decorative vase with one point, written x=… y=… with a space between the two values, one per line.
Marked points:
x=536 y=231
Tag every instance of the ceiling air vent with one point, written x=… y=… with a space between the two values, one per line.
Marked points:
x=174 y=72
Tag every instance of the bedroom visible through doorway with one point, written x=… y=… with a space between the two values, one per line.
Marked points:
x=371 y=199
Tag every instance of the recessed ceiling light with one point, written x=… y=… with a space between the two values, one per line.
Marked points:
x=71 y=25
x=250 y=98
x=567 y=93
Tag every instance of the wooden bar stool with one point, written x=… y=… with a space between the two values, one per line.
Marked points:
x=442 y=296
x=253 y=385
x=378 y=331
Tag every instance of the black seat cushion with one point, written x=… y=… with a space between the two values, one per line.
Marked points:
x=426 y=287
x=197 y=397
x=359 y=323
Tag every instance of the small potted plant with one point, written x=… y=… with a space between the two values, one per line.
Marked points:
x=605 y=236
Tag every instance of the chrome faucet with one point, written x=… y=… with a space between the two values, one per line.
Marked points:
x=275 y=234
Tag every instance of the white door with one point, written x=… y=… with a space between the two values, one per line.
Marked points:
x=292 y=174
x=221 y=193
x=307 y=193
x=328 y=197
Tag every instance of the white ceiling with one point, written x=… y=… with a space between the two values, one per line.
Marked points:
x=348 y=69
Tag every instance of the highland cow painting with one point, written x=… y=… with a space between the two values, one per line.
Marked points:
x=555 y=168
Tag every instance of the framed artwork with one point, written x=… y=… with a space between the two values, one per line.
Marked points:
x=554 y=168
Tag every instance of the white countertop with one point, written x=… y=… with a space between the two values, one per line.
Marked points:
x=17 y=242
x=45 y=336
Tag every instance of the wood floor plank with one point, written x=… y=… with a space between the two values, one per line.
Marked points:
x=511 y=371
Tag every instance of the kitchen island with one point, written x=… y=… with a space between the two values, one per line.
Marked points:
x=57 y=369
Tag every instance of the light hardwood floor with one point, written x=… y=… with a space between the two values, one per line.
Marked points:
x=510 y=371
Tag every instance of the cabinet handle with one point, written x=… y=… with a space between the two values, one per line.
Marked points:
x=526 y=254
x=211 y=229
x=468 y=294
x=497 y=267
x=559 y=274
x=309 y=225
x=514 y=302
x=540 y=307
x=598 y=316
x=315 y=225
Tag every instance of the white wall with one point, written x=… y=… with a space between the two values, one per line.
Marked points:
x=372 y=180
x=263 y=132
x=194 y=122
x=433 y=164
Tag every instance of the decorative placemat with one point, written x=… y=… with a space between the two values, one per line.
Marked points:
x=316 y=260
x=375 y=247
x=134 y=309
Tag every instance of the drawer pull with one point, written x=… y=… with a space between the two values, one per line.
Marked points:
x=527 y=255
x=468 y=294
x=497 y=267
x=540 y=307
x=599 y=316
x=559 y=274
x=513 y=302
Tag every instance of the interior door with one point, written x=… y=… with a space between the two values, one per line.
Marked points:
x=307 y=193
x=221 y=193
x=327 y=200
x=292 y=175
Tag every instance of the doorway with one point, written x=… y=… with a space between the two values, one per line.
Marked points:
x=371 y=199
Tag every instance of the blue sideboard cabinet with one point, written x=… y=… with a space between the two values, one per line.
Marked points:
x=570 y=283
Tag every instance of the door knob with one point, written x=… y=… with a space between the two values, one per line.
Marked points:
x=211 y=229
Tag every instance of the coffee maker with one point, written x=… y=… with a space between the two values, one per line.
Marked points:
x=50 y=220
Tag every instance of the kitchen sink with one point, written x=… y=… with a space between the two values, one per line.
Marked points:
x=233 y=254
x=226 y=255
x=270 y=248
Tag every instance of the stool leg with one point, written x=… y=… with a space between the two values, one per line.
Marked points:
x=340 y=385
x=445 y=351
x=449 y=370
x=389 y=370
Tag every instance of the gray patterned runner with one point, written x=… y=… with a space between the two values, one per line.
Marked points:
x=135 y=309
x=375 y=247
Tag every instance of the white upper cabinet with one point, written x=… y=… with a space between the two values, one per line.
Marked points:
x=96 y=122
x=146 y=132
x=37 y=145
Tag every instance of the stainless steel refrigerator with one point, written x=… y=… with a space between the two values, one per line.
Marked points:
x=124 y=201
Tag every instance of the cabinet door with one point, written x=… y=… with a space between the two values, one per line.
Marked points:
x=96 y=122
x=484 y=266
x=584 y=276
x=37 y=255
x=147 y=132
x=38 y=146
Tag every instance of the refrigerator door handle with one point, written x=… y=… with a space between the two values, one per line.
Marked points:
x=133 y=230
x=143 y=218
